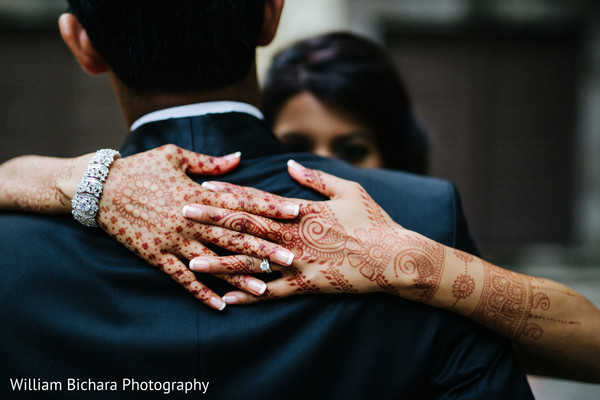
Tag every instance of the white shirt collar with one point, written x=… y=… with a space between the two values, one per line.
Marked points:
x=193 y=110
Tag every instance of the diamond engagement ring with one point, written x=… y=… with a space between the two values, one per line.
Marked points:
x=265 y=266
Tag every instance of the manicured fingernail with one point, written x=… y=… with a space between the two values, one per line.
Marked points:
x=217 y=303
x=209 y=186
x=293 y=164
x=257 y=286
x=199 y=264
x=283 y=257
x=230 y=299
x=192 y=212
x=237 y=154
x=290 y=209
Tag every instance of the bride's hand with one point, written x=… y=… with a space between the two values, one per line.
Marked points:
x=141 y=208
x=347 y=244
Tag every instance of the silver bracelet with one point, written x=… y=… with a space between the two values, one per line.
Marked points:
x=88 y=191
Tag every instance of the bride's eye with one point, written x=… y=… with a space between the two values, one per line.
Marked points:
x=352 y=152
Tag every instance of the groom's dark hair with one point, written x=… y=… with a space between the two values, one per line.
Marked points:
x=173 y=45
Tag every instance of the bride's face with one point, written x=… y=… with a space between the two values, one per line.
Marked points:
x=306 y=125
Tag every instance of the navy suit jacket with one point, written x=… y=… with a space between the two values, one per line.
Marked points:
x=78 y=308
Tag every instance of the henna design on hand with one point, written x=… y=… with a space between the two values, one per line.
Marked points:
x=337 y=280
x=339 y=255
x=141 y=208
x=313 y=179
x=317 y=237
x=301 y=282
x=418 y=256
x=347 y=244
x=371 y=251
x=426 y=260
x=242 y=267
x=141 y=200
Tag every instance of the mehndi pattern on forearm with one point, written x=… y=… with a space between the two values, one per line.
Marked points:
x=508 y=303
x=38 y=193
x=464 y=284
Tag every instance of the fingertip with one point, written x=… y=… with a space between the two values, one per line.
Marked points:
x=290 y=259
x=217 y=303
x=290 y=210
x=263 y=288
x=297 y=171
x=199 y=264
x=284 y=257
x=293 y=164
x=193 y=211
x=296 y=210
x=209 y=186
x=257 y=286
x=230 y=299
x=233 y=156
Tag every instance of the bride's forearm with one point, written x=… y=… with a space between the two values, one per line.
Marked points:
x=553 y=327
x=40 y=184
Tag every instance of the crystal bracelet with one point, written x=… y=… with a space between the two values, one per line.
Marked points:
x=88 y=191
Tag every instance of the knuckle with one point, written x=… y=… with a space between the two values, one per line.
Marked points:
x=244 y=224
x=355 y=186
x=251 y=264
x=236 y=237
x=169 y=148
x=239 y=280
x=240 y=223
x=246 y=203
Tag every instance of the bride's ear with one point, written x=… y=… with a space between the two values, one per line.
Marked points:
x=79 y=43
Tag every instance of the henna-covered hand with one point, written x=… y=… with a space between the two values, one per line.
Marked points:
x=339 y=247
x=141 y=208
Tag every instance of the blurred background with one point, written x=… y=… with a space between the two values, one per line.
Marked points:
x=509 y=91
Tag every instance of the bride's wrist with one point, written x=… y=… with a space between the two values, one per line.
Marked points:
x=85 y=203
x=417 y=266
x=73 y=171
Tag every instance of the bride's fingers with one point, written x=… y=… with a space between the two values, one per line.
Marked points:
x=171 y=265
x=275 y=289
x=232 y=265
x=324 y=183
x=267 y=206
x=196 y=163
x=190 y=249
x=235 y=220
x=243 y=243
x=225 y=187
x=251 y=286
x=186 y=278
x=240 y=298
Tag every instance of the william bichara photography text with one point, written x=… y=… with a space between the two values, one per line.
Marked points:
x=124 y=385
